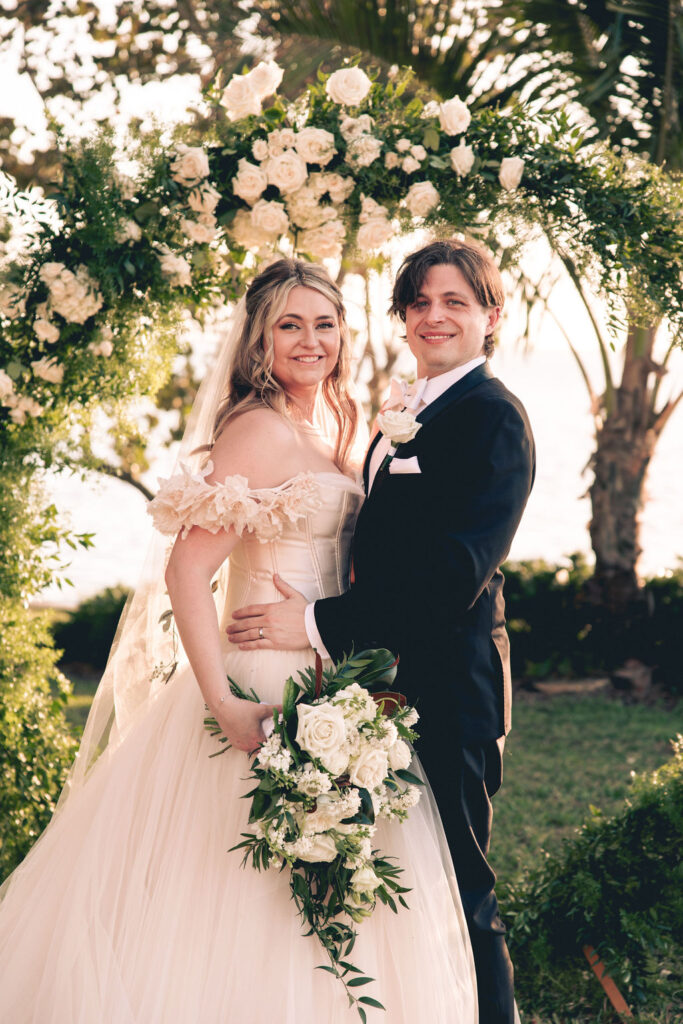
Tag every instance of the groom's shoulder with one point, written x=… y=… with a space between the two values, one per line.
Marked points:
x=490 y=398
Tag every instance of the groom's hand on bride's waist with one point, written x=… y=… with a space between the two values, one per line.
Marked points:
x=278 y=626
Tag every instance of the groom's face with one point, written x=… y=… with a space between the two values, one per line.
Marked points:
x=445 y=324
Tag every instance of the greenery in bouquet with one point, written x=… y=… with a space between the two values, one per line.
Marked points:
x=335 y=763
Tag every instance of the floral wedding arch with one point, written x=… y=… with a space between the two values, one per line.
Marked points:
x=91 y=309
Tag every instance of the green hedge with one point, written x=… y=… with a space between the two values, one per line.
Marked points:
x=617 y=886
x=87 y=634
x=36 y=746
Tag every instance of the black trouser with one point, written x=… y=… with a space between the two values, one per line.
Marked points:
x=465 y=806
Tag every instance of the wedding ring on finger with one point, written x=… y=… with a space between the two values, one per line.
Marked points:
x=260 y=633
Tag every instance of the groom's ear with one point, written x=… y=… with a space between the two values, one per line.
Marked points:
x=493 y=320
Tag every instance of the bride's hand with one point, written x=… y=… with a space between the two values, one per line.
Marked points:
x=242 y=722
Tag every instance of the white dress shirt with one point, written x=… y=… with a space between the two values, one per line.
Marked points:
x=433 y=388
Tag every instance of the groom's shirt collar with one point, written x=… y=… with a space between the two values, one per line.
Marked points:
x=436 y=386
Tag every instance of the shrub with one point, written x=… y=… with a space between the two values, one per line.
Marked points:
x=87 y=634
x=36 y=747
x=618 y=886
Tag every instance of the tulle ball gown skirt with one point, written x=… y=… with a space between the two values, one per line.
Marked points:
x=131 y=910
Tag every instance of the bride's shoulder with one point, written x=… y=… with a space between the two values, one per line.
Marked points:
x=256 y=444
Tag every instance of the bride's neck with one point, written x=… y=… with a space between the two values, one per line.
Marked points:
x=301 y=406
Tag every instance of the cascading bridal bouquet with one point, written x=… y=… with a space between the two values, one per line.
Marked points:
x=335 y=762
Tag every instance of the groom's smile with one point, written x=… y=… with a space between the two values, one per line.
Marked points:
x=445 y=324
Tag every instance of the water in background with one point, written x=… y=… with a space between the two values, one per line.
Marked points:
x=554 y=524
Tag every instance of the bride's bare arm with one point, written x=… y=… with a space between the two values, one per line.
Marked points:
x=254 y=449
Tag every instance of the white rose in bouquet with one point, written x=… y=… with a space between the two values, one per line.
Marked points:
x=315 y=146
x=270 y=217
x=400 y=756
x=364 y=150
x=281 y=139
x=45 y=330
x=454 y=116
x=462 y=158
x=49 y=370
x=352 y=127
x=175 y=269
x=128 y=232
x=370 y=208
x=330 y=809
x=421 y=198
x=348 y=86
x=13 y=300
x=6 y=385
x=391 y=160
x=265 y=78
x=190 y=165
x=419 y=152
x=399 y=426
x=321 y=730
x=324 y=242
x=287 y=172
x=204 y=199
x=370 y=768
x=356 y=703
x=365 y=880
x=250 y=181
x=403 y=145
x=410 y=718
x=336 y=185
x=409 y=164
x=259 y=149
x=319 y=847
x=240 y=98
x=511 y=171
x=199 y=232
x=374 y=233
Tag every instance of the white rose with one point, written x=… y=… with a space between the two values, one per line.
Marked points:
x=74 y=296
x=265 y=78
x=370 y=208
x=403 y=145
x=419 y=152
x=454 y=116
x=398 y=426
x=281 y=139
x=374 y=233
x=321 y=730
x=199 y=232
x=365 y=880
x=369 y=768
x=329 y=811
x=410 y=718
x=410 y=164
x=270 y=217
x=49 y=370
x=204 y=199
x=45 y=330
x=240 y=98
x=190 y=165
x=49 y=272
x=320 y=847
x=422 y=197
x=259 y=149
x=250 y=181
x=101 y=348
x=175 y=269
x=351 y=127
x=287 y=171
x=128 y=232
x=348 y=86
x=305 y=210
x=6 y=385
x=23 y=406
x=391 y=160
x=400 y=755
x=246 y=234
x=511 y=171
x=462 y=158
x=337 y=187
x=364 y=150
x=324 y=242
x=13 y=300
x=430 y=109
x=315 y=146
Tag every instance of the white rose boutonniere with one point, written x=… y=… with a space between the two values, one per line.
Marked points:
x=399 y=426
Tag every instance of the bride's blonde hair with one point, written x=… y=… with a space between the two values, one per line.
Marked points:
x=250 y=382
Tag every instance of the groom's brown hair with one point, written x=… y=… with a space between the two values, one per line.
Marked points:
x=472 y=260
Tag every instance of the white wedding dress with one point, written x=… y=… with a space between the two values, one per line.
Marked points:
x=131 y=910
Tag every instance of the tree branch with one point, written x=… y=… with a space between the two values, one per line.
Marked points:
x=121 y=474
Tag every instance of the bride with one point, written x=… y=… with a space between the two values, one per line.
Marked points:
x=130 y=908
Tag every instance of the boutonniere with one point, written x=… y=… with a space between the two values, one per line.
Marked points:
x=399 y=427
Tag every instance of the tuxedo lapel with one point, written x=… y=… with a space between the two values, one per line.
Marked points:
x=366 y=464
x=456 y=392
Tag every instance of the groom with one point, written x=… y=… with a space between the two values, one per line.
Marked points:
x=437 y=523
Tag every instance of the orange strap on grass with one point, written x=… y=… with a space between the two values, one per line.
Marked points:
x=613 y=994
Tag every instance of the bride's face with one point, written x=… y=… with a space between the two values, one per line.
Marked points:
x=306 y=340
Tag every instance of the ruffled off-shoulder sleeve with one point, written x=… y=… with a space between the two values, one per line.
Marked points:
x=187 y=500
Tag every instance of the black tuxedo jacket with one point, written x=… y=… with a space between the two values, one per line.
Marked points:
x=426 y=554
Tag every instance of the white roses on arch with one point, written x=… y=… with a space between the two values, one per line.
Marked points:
x=348 y=86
